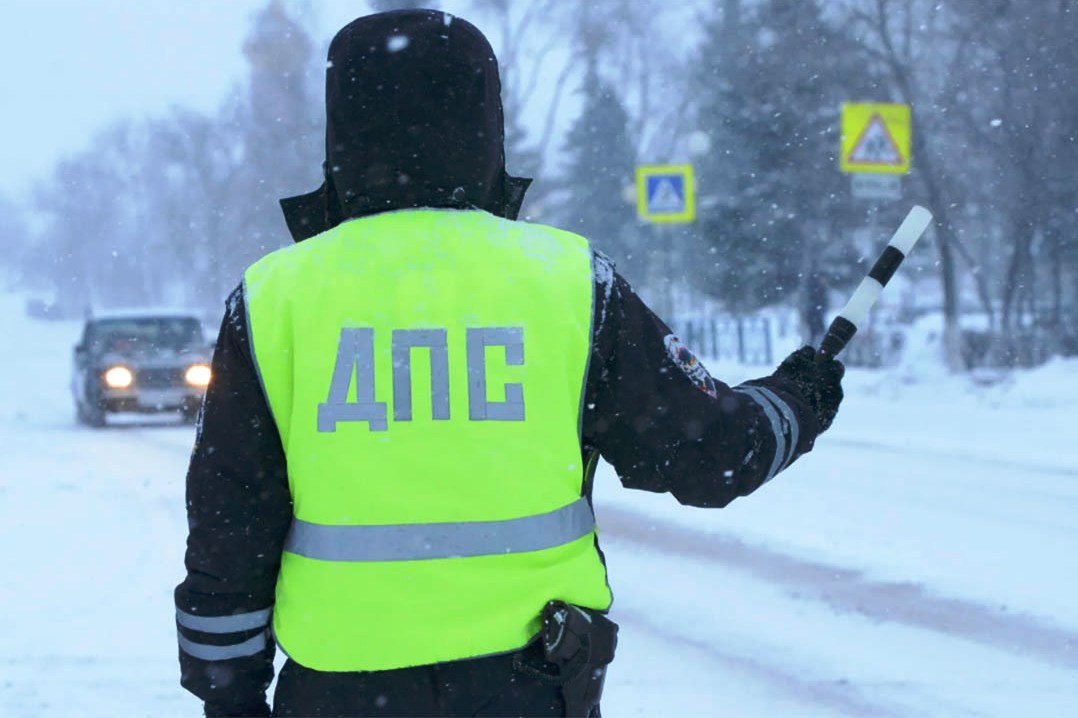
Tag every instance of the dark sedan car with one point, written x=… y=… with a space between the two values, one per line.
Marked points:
x=152 y=362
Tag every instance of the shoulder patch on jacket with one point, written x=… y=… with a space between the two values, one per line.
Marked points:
x=685 y=360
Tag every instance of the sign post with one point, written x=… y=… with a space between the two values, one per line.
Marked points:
x=665 y=195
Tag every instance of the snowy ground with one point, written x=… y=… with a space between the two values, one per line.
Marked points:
x=922 y=562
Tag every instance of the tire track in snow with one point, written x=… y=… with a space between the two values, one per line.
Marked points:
x=847 y=590
x=839 y=696
x=996 y=462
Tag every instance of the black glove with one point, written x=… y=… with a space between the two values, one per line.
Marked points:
x=820 y=382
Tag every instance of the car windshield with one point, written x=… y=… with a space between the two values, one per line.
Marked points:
x=144 y=334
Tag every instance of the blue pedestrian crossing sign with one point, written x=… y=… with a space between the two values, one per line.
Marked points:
x=665 y=193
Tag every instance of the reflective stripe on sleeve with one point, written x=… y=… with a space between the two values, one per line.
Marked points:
x=224 y=624
x=776 y=428
x=207 y=652
x=412 y=542
x=791 y=420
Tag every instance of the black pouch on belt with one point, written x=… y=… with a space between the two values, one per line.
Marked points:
x=581 y=643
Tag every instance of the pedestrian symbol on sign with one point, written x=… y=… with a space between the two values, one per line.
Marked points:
x=875 y=146
x=666 y=194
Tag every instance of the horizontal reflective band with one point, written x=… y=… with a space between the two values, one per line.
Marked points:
x=776 y=428
x=224 y=624
x=206 y=652
x=413 y=542
x=791 y=420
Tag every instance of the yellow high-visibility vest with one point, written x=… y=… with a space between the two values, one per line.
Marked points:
x=426 y=370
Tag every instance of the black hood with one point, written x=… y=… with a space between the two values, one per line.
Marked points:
x=413 y=119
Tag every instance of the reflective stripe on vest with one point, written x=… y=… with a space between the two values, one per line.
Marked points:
x=425 y=370
x=413 y=542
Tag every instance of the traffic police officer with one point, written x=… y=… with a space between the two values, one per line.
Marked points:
x=392 y=475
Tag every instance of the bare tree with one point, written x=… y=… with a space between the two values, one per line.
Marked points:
x=915 y=42
x=13 y=233
x=534 y=58
x=1023 y=80
x=94 y=246
x=195 y=160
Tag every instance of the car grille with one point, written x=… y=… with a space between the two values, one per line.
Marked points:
x=167 y=378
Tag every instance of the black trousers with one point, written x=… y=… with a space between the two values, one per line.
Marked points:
x=519 y=684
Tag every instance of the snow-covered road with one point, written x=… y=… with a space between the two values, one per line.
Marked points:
x=920 y=563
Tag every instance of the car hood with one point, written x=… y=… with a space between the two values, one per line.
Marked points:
x=158 y=358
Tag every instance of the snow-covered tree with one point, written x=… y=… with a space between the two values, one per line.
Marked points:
x=771 y=79
x=600 y=166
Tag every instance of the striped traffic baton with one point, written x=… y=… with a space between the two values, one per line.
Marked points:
x=856 y=310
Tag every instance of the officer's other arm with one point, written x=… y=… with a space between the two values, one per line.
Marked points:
x=238 y=510
x=667 y=426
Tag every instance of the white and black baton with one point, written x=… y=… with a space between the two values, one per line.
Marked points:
x=856 y=310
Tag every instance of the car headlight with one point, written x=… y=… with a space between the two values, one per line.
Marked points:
x=197 y=375
x=119 y=377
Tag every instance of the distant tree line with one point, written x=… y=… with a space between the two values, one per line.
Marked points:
x=172 y=209
x=169 y=210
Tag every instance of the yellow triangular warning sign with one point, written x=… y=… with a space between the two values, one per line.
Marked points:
x=875 y=146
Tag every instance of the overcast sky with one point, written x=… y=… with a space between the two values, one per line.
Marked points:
x=69 y=68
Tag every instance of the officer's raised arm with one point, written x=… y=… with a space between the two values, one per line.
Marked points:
x=667 y=425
